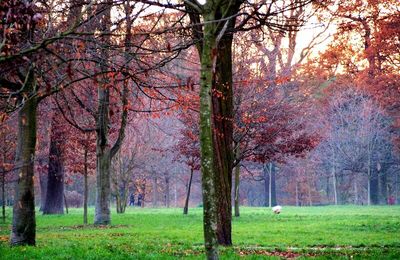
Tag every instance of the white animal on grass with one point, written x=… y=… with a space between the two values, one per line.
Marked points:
x=277 y=209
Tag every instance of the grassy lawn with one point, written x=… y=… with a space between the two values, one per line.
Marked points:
x=321 y=232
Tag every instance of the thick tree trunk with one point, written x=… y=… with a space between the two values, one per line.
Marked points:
x=206 y=141
x=55 y=178
x=24 y=224
x=373 y=191
x=223 y=137
x=103 y=189
x=383 y=191
x=186 y=207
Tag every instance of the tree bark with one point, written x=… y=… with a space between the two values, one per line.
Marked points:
x=86 y=186
x=383 y=191
x=55 y=179
x=102 y=207
x=103 y=151
x=216 y=106
x=65 y=203
x=237 y=185
x=186 y=207
x=273 y=185
x=222 y=115
x=167 y=191
x=266 y=185
x=154 y=192
x=335 y=198
x=373 y=187
x=3 y=196
x=206 y=141
x=24 y=223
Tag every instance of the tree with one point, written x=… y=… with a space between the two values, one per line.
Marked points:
x=55 y=181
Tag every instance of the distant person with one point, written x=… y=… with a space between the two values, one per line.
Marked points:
x=132 y=200
x=139 y=200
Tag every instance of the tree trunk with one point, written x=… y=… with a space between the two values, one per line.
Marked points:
x=167 y=191
x=186 y=207
x=237 y=185
x=383 y=191
x=206 y=141
x=373 y=186
x=24 y=223
x=335 y=198
x=273 y=185
x=3 y=196
x=355 y=191
x=43 y=188
x=216 y=116
x=102 y=207
x=297 y=194
x=65 y=203
x=154 y=192
x=270 y=186
x=266 y=185
x=55 y=178
x=86 y=186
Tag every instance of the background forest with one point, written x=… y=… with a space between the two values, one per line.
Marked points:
x=186 y=104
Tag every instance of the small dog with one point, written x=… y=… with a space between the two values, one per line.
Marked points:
x=277 y=209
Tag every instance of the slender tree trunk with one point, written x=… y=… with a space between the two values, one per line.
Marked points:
x=297 y=194
x=186 y=207
x=24 y=223
x=355 y=191
x=270 y=186
x=266 y=185
x=175 y=196
x=335 y=198
x=65 y=203
x=273 y=186
x=43 y=189
x=237 y=194
x=369 y=191
x=55 y=179
x=309 y=193
x=167 y=191
x=154 y=192
x=86 y=187
x=3 y=196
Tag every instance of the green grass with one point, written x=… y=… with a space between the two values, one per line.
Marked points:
x=322 y=232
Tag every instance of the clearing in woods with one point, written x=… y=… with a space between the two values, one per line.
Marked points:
x=323 y=232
